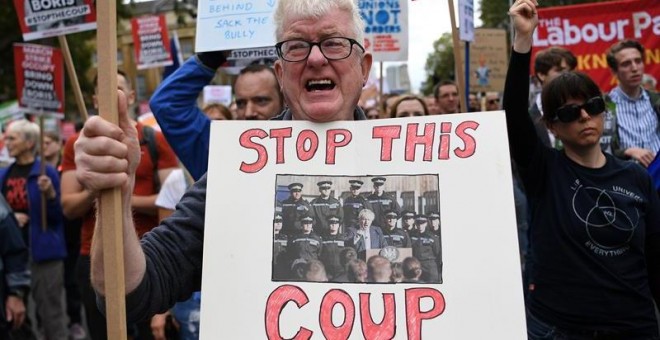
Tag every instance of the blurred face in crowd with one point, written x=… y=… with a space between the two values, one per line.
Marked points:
x=492 y=102
x=296 y=194
x=51 y=147
x=554 y=72
x=365 y=222
x=378 y=189
x=124 y=86
x=316 y=88
x=630 y=68
x=473 y=102
x=432 y=105
x=325 y=192
x=257 y=97
x=16 y=143
x=355 y=191
x=214 y=114
x=447 y=99
x=409 y=108
x=307 y=227
x=372 y=113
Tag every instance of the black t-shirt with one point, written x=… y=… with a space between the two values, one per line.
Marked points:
x=588 y=232
x=15 y=191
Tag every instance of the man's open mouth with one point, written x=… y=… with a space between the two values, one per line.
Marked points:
x=319 y=85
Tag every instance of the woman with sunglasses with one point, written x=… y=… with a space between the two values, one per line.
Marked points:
x=595 y=231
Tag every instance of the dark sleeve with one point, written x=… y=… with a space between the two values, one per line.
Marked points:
x=173 y=253
x=652 y=247
x=13 y=252
x=186 y=128
x=523 y=141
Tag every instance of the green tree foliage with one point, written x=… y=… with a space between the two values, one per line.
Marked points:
x=81 y=53
x=439 y=63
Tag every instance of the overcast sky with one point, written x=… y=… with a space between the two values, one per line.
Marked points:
x=428 y=20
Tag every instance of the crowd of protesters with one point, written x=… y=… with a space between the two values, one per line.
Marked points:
x=569 y=130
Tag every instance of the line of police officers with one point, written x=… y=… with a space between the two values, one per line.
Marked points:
x=305 y=231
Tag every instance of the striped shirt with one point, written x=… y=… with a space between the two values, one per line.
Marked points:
x=637 y=122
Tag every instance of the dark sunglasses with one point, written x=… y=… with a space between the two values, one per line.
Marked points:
x=571 y=112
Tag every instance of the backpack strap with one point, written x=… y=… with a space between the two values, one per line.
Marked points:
x=149 y=138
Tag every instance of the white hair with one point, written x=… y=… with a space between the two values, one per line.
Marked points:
x=28 y=130
x=316 y=9
x=366 y=213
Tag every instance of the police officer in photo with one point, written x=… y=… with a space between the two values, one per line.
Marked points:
x=333 y=244
x=354 y=203
x=394 y=236
x=434 y=219
x=293 y=208
x=306 y=244
x=426 y=248
x=408 y=221
x=280 y=263
x=381 y=202
x=325 y=206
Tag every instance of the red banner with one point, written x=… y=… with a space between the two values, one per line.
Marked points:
x=151 y=42
x=588 y=30
x=48 y=18
x=39 y=79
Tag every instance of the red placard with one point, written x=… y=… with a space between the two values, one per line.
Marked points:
x=151 y=42
x=39 y=79
x=47 y=18
x=588 y=30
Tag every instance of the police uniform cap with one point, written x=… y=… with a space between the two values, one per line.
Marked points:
x=295 y=187
x=324 y=184
x=421 y=218
x=408 y=214
x=333 y=219
x=391 y=214
x=378 y=180
x=307 y=219
x=356 y=183
x=434 y=216
x=277 y=218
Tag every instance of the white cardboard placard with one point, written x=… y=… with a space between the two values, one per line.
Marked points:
x=467 y=153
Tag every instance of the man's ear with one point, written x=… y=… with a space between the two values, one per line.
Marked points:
x=278 y=72
x=367 y=60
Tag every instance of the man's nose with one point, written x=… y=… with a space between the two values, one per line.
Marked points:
x=316 y=56
x=250 y=111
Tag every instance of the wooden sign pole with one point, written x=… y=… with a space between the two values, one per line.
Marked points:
x=68 y=61
x=110 y=204
x=458 y=61
x=42 y=171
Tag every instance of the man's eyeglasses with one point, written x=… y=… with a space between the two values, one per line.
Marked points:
x=572 y=112
x=494 y=101
x=336 y=48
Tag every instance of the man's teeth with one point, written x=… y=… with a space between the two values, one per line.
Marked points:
x=319 y=82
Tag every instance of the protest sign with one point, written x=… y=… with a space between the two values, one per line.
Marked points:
x=39 y=79
x=234 y=24
x=458 y=164
x=588 y=30
x=151 y=43
x=46 y=18
x=239 y=59
x=466 y=19
x=385 y=28
x=217 y=94
x=488 y=60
